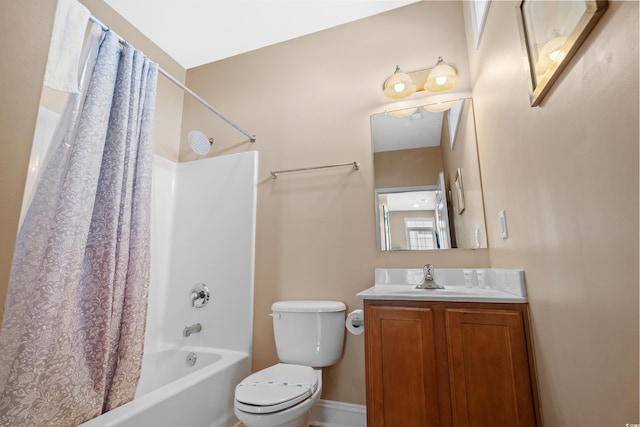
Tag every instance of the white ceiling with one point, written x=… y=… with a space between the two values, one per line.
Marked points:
x=412 y=201
x=197 y=32
x=420 y=129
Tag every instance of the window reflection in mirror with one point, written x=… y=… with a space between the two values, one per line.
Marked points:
x=418 y=156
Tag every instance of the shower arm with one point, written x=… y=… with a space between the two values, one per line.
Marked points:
x=176 y=82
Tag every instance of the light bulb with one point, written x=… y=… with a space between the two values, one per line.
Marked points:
x=441 y=80
x=554 y=55
x=550 y=54
x=399 y=87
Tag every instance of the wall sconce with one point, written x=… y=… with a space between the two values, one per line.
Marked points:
x=443 y=77
x=399 y=85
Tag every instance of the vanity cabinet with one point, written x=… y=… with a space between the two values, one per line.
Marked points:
x=449 y=364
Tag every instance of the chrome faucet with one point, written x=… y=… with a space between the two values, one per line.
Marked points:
x=429 y=281
x=188 y=330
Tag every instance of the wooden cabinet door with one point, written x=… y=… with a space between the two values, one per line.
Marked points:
x=401 y=367
x=489 y=368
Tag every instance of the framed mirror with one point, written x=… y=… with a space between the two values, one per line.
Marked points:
x=428 y=193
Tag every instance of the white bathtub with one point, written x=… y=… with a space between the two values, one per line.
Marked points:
x=172 y=393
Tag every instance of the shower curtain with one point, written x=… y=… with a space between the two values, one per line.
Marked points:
x=73 y=331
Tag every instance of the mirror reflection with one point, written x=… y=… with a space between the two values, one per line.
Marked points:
x=428 y=193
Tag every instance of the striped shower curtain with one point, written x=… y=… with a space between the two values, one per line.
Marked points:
x=72 y=337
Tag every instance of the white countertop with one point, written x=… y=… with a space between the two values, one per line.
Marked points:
x=501 y=285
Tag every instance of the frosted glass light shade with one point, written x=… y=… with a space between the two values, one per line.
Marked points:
x=399 y=86
x=439 y=107
x=442 y=78
x=405 y=112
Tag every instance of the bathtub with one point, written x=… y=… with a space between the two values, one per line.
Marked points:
x=172 y=393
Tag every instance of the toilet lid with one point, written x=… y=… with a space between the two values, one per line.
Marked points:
x=276 y=388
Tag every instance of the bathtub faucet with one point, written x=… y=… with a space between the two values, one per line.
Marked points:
x=188 y=330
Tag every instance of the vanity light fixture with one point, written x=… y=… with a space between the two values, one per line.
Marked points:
x=399 y=85
x=442 y=78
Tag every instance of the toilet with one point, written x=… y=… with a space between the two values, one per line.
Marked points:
x=309 y=335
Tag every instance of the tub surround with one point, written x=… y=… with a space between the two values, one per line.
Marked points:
x=196 y=238
x=210 y=239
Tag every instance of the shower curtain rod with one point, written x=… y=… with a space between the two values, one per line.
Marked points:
x=176 y=82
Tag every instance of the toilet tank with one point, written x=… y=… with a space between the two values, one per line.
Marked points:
x=309 y=332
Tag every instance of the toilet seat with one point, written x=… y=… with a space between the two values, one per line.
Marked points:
x=276 y=388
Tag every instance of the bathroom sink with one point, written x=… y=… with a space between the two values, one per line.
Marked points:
x=501 y=285
x=452 y=293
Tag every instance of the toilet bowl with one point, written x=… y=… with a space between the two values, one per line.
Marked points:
x=309 y=335
x=279 y=396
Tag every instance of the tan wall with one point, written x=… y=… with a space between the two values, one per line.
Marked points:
x=308 y=101
x=465 y=156
x=21 y=74
x=25 y=28
x=567 y=175
x=407 y=168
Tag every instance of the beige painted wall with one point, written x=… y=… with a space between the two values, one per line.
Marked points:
x=567 y=175
x=469 y=226
x=21 y=74
x=407 y=168
x=308 y=101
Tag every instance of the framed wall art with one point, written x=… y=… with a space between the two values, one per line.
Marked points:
x=551 y=33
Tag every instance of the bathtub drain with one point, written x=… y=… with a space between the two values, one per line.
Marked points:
x=191 y=359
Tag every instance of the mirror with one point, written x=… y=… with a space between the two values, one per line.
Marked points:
x=428 y=193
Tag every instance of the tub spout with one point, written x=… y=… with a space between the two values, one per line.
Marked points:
x=188 y=330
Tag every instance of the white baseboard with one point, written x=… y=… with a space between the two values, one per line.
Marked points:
x=329 y=413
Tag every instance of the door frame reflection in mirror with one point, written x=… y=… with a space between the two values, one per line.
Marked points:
x=384 y=207
x=472 y=222
x=426 y=204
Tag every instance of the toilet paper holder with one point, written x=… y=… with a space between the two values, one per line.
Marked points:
x=357 y=322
